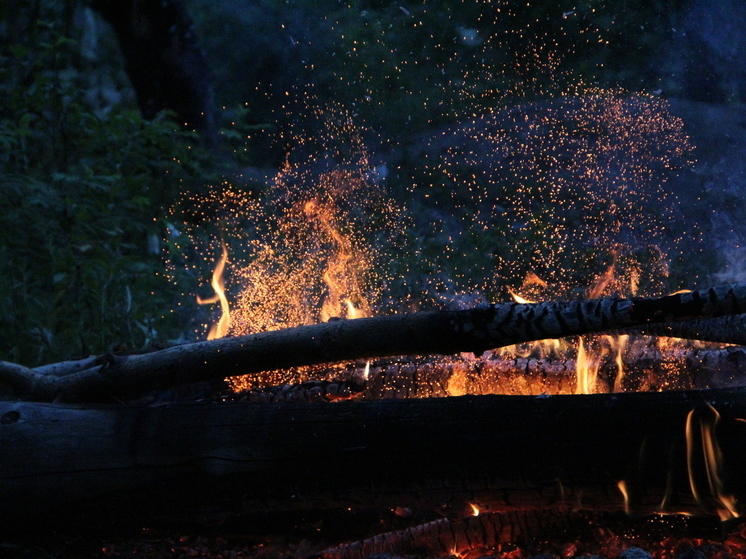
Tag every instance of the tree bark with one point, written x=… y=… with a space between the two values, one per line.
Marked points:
x=164 y=60
x=724 y=330
x=137 y=464
x=437 y=332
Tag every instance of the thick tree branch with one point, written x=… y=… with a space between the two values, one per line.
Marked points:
x=437 y=332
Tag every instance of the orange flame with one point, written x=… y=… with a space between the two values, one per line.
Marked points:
x=713 y=460
x=622 y=485
x=618 y=345
x=604 y=281
x=518 y=299
x=338 y=276
x=586 y=370
x=221 y=328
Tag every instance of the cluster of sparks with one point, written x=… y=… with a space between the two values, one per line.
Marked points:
x=558 y=182
x=304 y=252
x=565 y=182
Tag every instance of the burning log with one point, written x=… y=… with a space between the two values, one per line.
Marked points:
x=439 y=332
x=425 y=378
x=641 y=452
x=449 y=538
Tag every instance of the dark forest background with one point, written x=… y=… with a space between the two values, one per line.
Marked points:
x=96 y=144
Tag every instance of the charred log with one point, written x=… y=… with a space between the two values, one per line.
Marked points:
x=422 y=378
x=448 y=538
x=724 y=330
x=143 y=464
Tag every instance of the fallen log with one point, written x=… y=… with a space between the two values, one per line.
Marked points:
x=120 y=465
x=441 y=332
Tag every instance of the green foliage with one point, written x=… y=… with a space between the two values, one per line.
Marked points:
x=83 y=194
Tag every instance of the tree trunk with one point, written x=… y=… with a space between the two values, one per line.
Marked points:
x=119 y=464
x=437 y=332
x=164 y=60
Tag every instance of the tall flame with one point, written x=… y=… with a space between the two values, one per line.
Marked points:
x=618 y=345
x=622 y=485
x=604 y=281
x=713 y=460
x=338 y=276
x=221 y=328
x=586 y=370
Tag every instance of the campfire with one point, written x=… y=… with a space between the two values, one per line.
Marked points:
x=553 y=400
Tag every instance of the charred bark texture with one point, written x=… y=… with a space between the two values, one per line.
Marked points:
x=119 y=464
x=438 y=332
x=724 y=329
x=449 y=538
x=164 y=60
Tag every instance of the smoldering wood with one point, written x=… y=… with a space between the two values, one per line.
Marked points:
x=197 y=462
x=436 y=332
x=654 y=370
x=448 y=538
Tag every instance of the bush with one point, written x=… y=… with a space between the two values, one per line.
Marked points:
x=84 y=190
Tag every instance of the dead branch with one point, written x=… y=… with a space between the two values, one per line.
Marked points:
x=724 y=329
x=436 y=332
